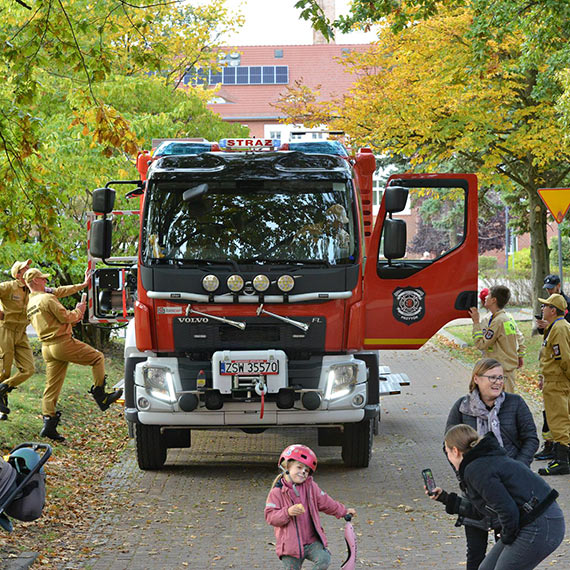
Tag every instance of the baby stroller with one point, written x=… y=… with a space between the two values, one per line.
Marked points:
x=23 y=483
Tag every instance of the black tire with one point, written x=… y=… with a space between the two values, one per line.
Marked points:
x=151 y=447
x=377 y=421
x=357 y=443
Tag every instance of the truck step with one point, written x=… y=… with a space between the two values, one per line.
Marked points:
x=391 y=384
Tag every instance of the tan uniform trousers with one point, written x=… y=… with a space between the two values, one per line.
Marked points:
x=556 y=393
x=15 y=349
x=57 y=358
x=510 y=380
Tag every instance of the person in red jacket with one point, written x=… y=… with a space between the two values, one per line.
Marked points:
x=293 y=507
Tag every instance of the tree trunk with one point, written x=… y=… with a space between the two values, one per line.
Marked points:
x=539 y=252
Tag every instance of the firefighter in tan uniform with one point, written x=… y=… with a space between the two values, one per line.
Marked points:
x=14 y=344
x=53 y=323
x=501 y=339
x=555 y=381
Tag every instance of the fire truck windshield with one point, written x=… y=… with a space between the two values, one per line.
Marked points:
x=254 y=221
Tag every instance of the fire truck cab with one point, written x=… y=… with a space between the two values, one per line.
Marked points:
x=263 y=291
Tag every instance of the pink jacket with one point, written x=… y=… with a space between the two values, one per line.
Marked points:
x=280 y=498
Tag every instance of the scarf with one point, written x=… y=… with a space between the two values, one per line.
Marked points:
x=487 y=420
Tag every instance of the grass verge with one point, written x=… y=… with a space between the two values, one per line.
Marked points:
x=95 y=440
x=527 y=376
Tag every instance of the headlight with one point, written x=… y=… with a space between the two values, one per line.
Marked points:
x=341 y=380
x=261 y=283
x=285 y=283
x=235 y=283
x=158 y=383
x=210 y=283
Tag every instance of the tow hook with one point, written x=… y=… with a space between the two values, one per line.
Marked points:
x=261 y=390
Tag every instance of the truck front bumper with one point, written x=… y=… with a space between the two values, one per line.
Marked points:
x=240 y=417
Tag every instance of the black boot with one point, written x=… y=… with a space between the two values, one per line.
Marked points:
x=4 y=389
x=559 y=465
x=105 y=399
x=547 y=451
x=49 y=429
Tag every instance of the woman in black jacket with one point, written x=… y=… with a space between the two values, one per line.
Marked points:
x=488 y=408
x=532 y=523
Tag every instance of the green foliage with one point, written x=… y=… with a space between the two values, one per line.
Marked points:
x=487 y=263
x=554 y=251
x=77 y=103
x=522 y=261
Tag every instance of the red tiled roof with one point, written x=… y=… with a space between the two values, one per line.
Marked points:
x=312 y=64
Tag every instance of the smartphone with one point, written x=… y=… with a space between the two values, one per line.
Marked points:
x=429 y=481
x=538 y=317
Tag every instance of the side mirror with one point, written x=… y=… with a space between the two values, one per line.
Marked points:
x=101 y=238
x=394 y=239
x=103 y=200
x=395 y=198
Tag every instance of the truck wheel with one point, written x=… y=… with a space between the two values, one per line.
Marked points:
x=377 y=421
x=151 y=447
x=357 y=443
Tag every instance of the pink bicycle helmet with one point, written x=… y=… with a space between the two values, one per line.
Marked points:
x=301 y=453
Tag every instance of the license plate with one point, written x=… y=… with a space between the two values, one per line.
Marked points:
x=249 y=367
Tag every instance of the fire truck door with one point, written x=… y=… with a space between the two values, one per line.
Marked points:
x=421 y=268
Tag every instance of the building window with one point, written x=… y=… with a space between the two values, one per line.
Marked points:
x=215 y=77
x=275 y=134
x=278 y=53
x=377 y=196
x=268 y=74
x=229 y=75
x=240 y=75
x=254 y=75
x=282 y=74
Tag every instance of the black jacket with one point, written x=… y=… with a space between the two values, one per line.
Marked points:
x=497 y=482
x=517 y=426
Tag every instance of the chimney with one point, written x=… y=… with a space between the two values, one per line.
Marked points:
x=328 y=7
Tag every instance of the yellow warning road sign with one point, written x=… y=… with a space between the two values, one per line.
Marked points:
x=557 y=200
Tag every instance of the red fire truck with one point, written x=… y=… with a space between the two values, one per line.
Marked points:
x=263 y=292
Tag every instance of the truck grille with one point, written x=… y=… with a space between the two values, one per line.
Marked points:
x=254 y=333
x=207 y=335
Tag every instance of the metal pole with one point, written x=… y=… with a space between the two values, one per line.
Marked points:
x=560 y=257
x=507 y=238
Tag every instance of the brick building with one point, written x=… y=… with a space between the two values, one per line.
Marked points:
x=253 y=78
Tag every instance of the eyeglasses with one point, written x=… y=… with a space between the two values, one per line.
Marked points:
x=493 y=379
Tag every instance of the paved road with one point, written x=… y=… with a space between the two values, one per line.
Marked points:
x=205 y=510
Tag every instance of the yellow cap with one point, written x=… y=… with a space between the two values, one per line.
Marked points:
x=555 y=300
x=18 y=266
x=31 y=274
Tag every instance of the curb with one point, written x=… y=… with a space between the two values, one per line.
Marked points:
x=449 y=336
x=22 y=562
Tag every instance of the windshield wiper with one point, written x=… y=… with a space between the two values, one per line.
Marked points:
x=270 y=261
x=209 y=262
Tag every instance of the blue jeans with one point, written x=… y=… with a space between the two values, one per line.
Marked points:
x=315 y=552
x=533 y=544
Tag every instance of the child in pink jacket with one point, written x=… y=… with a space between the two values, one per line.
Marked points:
x=293 y=506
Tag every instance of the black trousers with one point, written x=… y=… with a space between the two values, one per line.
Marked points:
x=477 y=539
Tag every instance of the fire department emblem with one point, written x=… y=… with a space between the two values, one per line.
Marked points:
x=409 y=304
